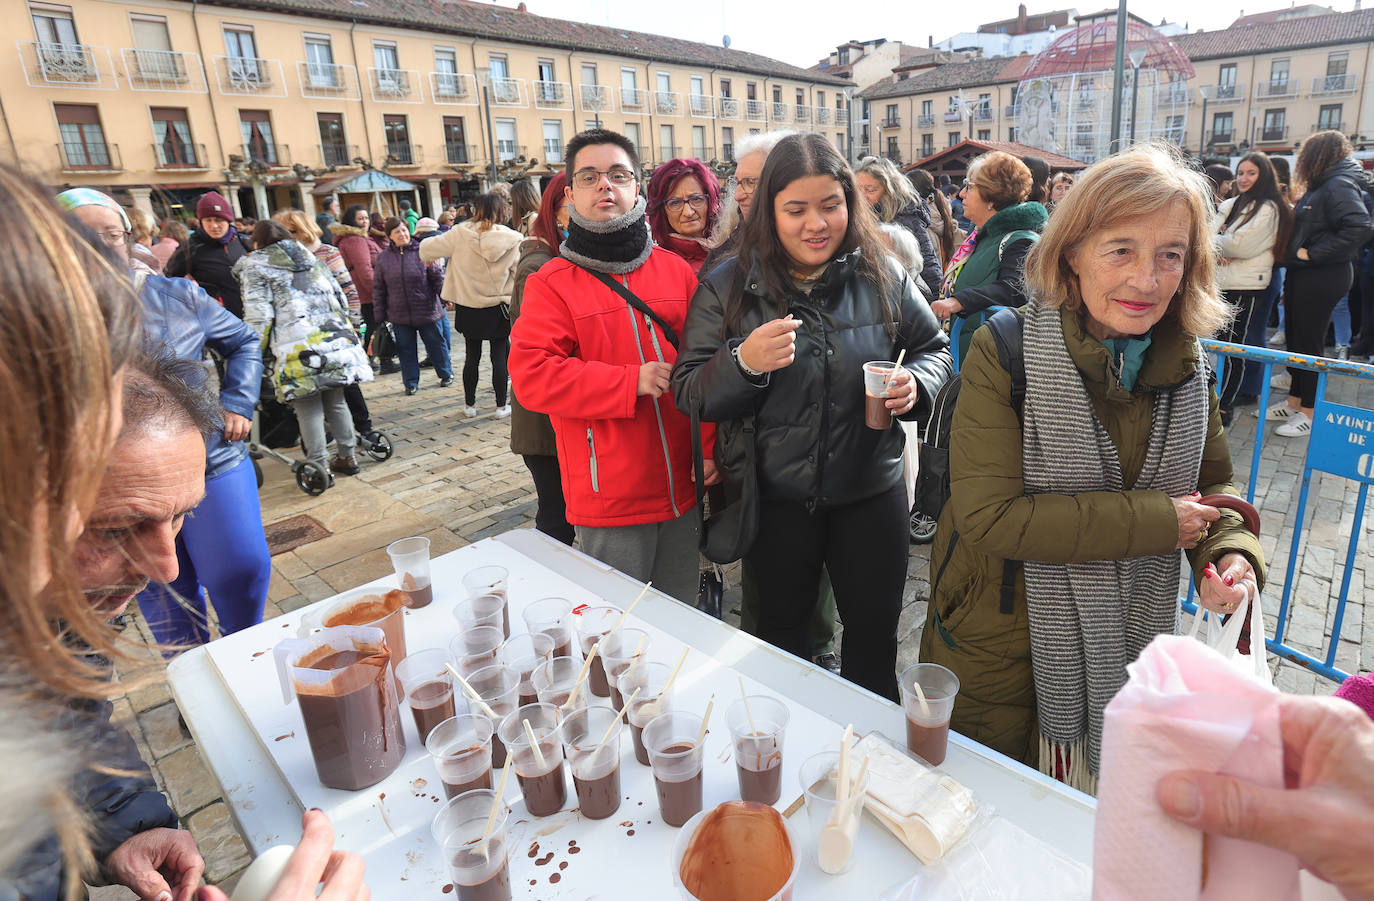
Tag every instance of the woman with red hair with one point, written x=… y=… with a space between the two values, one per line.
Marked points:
x=683 y=204
x=531 y=434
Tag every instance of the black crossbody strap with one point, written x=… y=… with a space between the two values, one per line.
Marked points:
x=641 y=306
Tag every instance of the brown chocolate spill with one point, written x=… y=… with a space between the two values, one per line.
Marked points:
x=555 y=878
x=534 y=850
x=287 y=735
x=627 y=822
x=544 y=861
x=562 y=865
x=629 y=832
x=258 y=654
x=382 y=796
x=448 y=888
x=534 y=882
x=574 y=850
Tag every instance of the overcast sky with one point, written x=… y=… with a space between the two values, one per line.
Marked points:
x=801 y=32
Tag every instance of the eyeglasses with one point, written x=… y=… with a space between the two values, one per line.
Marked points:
x=675 y=204
x=114 y=237
x=750 y=185
x=590 y=178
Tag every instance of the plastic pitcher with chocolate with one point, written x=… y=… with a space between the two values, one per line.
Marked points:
x=342 y=679
x=365 y=607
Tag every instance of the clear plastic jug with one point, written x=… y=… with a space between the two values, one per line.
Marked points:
x=342 y=679
x=364 y=607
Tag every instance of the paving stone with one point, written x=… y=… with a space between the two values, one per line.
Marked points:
x=189 y=785
x=219 y=842
x=162 y=729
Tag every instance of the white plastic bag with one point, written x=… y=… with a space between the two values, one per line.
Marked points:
x=1222 y=638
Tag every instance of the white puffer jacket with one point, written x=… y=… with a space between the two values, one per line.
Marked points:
x=1245 y=252
x=481 y=264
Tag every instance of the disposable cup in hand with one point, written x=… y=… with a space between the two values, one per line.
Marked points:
x=478 y=867
x=410 y=557
x=834 y=815
x=876 y=387
x=928 y=711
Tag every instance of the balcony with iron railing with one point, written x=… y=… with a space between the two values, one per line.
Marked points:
x=1330 y=85
x=274 y=156
x=703 y=153
x=249 y=76
x=552 y=95
x=801 y=114
x=925 y=120
x=842 y=116
x=89 y=158
x=327 y=81
x=553 y=150
x=701 y=106
x=1218 y=138
x=1011 y=111
x=597 y=98
x=400 y=155
x=394 y=85
x=63 y=65
x=951 y=116
x=179 y=155
x=634 y=100
x=456 y=154
x=1273 y=135
x=507 y=92
x=453 y=88
x=508 y=150
x=822 y=115
x=729 y=108
x=1329 y=125
x=777 y=111
x=754 y=110
x=1223 y=93
x=1175 y=92
x=667 y=103
x=335 y=154
x=163 y=70
x=982 y=113
x=1276 y=90
x=665 y=152
x=727 y=153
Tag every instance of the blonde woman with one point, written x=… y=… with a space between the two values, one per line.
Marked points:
x=893 y=199
x=1065 y=518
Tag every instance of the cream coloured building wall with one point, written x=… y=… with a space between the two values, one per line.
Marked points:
x=390 y=98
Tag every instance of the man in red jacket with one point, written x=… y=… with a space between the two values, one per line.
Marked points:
x=584 y=354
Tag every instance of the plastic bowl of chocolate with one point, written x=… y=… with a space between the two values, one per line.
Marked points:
x=739 y=851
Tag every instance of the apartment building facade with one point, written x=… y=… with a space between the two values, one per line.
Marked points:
x=1264 y=86
x=159 y=101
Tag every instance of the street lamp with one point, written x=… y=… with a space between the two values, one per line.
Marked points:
x=484 y=79
x=1137 y=57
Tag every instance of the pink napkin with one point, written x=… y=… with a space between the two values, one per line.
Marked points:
x=1184 y=707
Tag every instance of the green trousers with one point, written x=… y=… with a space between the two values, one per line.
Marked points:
x=822 y=621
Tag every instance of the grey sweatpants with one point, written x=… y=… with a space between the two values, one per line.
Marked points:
x=311 y=413
x=662 y=552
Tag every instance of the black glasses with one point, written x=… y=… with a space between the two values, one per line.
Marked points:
x=675 y=204
x=590 y=178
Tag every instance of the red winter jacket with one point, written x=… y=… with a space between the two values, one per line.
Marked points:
x=575 y=355
x=359 y=254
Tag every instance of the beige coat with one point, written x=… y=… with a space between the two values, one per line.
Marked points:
x=1245 y=253
x=481 y=264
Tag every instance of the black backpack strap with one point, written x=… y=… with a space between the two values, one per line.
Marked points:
x=668 y=331
x=935 y=584
x=698 y=465
x=1007 y=335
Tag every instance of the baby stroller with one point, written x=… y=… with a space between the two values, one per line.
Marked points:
x=274 y=426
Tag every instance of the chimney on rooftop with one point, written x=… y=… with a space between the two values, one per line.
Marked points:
x=1021 y=19
x=930 y=41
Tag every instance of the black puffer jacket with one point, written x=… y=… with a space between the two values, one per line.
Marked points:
x=211 y=263
x=915 y=218
x=812 y=443
x=1331 y=220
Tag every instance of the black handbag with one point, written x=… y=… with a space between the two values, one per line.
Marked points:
x=728 y=533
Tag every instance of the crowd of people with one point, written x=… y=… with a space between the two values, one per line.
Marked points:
x=655 y=344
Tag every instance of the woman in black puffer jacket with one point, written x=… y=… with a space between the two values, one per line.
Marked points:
x=781 y=334
x=1330 y=225
x=894 y=199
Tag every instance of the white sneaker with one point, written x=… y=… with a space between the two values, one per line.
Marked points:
x=1343 y=351
x=1278 y=339
x=503 y=412
x=1297 y=426
x=1284 y=381
x=469 y=412
x=1280 y=410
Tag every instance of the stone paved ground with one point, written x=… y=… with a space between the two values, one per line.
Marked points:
x=455 y=481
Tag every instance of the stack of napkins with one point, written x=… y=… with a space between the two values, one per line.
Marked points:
x=1185 y=707
x=927 y=810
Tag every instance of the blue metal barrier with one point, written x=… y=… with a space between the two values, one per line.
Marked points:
x=1341 y=444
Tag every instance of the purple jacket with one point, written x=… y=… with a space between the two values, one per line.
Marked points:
x=405 y=290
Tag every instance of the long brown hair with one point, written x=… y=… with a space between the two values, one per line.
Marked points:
x=1266 y=189
x=1318 y=154
x=924 y=183
x=800 y=156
